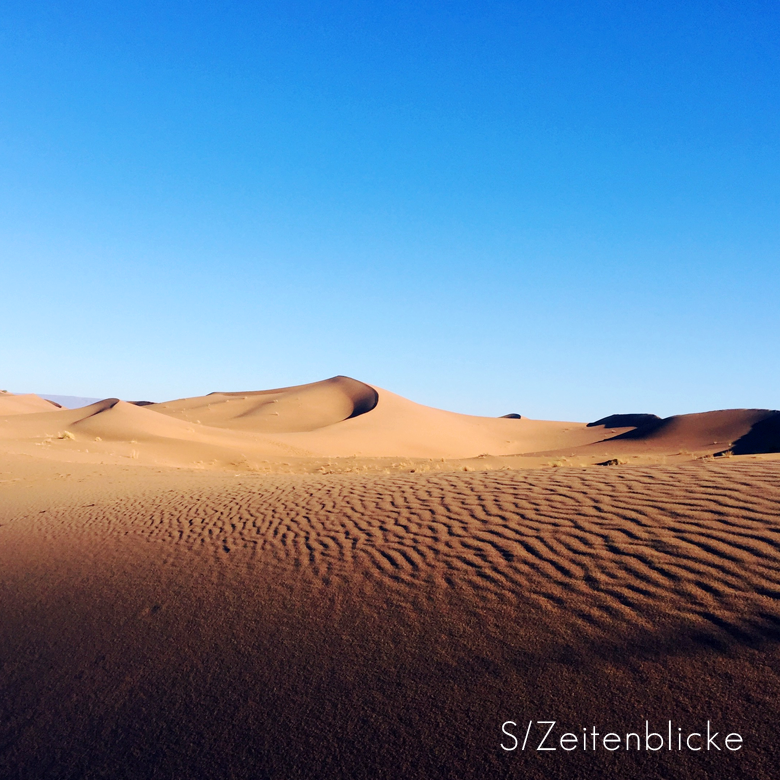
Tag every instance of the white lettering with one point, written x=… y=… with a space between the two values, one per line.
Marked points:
x=552 y=725
x=711 y=739
x=649 y=734
x=568 y=738
x=509 y=734
x=737 y=738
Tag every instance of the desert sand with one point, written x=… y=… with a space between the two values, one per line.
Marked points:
x=331 y=581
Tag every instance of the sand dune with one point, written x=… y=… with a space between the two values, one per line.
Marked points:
x=698 y=431
x=397 y=426
x=109 y=419
x=626 y=421
x=763 y=436
x=117 y=420
x=24 y=404
x=301 y=408
x=339 y=417
x=706 y=433
x=112 y=431
x=342 y=418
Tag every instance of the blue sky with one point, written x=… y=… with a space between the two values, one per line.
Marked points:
x=558 y=209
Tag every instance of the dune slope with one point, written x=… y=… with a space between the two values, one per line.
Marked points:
x=702 y=434
x=300 y=408
x=24 y=404
x=399 y=427
x=344 y=418
x=698 y=431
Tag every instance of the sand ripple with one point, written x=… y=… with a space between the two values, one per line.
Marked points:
x=603 y=549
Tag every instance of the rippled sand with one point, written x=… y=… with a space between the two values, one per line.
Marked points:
x=177 y=624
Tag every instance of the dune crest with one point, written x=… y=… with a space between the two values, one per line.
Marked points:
x=344 y=418
x=402 y=428
x=698 y=431
x=283 y=410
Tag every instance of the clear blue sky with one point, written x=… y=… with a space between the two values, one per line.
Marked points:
x=553 y=208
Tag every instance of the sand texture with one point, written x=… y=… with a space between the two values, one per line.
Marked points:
x=379 y=613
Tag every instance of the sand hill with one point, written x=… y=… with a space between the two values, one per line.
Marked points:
x=299 y=428
x=288 y=409
x=28 y=403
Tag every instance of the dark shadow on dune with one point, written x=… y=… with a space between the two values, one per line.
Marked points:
x=365 y=401
x=100 y=406
x=763 y=436
x=755 y=429
x=512 y=416
x=627 y=421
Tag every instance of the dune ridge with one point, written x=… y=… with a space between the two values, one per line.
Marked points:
x=342 y=418
x=699 y=430
x=287 y=409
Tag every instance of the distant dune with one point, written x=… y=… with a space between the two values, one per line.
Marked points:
x=343 y=418
x=288 y=409
x=28 y=403
x=626 y=420
x=763 y=436
x=696 y=432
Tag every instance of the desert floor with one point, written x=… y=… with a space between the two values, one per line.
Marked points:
x=181 y=623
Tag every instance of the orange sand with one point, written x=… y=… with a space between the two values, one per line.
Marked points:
x=169 y=608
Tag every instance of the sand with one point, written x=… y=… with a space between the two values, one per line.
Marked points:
x=29 y=403
x=305 y=428
x=162 y=617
